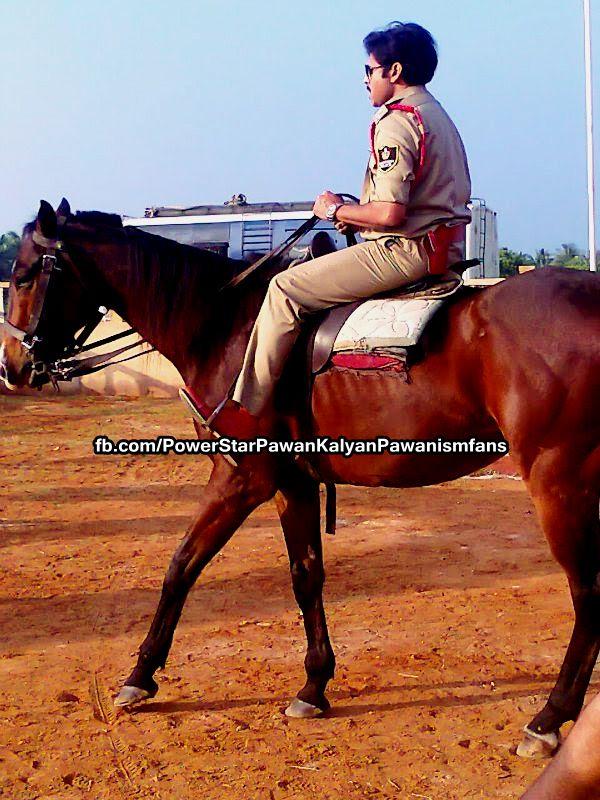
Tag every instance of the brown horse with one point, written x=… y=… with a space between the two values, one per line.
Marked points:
x=519 y=360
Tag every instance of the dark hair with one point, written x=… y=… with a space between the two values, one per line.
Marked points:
x=410 y=44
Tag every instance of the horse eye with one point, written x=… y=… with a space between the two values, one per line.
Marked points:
x=25 y=279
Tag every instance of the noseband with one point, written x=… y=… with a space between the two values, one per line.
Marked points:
x=65 y=368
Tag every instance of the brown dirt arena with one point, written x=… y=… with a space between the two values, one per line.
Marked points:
x=447 y=614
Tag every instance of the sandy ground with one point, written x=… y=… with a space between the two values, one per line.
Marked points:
x=447 y=614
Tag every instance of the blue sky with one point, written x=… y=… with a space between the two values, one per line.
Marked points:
x=122 y=105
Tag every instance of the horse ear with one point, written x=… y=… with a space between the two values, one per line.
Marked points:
x=64 y=209
x=46 y=220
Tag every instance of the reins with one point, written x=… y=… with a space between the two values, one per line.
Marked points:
x=284 y=247
x=273 y=254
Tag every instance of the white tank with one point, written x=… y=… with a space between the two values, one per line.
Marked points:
x=482 y=241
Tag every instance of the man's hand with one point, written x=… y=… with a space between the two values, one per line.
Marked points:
x=345 y=227
x=323 y=201
x=376 y=215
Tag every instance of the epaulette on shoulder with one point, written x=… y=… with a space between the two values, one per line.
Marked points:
x=414 y=111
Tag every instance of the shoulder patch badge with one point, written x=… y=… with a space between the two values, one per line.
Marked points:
x=387 y=157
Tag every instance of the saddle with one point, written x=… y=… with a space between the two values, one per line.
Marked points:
x=375 y=333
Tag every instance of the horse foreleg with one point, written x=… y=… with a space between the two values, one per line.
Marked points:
x=569 y=517
x=227 y=500
x=298 y=506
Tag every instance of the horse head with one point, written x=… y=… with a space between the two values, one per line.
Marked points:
x=47 y=301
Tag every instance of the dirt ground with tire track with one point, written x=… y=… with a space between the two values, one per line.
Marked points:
x=448 y=616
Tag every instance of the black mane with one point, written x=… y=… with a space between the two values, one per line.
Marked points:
x=97 y=218
x=173 y=282
x=170 y=281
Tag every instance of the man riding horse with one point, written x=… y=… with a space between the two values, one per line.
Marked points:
x=412 y=218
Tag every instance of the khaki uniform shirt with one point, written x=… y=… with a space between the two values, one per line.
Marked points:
x=435 y=193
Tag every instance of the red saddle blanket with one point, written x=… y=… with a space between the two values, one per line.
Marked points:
x=368 y=361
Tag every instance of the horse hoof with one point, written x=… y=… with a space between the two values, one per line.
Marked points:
x=538 y=745
x=301 y=710
x=131 y=696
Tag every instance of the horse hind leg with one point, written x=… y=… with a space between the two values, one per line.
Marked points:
x=567 y=504
x=298 y=506
x=229 y=497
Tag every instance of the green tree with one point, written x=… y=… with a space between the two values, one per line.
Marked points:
x=577 y=262
x=566 y=253
x=9 y=244
x=570 y=256
x=511 y=260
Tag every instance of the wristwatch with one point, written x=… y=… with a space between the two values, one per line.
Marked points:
x=332 y=211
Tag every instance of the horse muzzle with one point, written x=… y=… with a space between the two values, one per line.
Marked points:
x=16 y=365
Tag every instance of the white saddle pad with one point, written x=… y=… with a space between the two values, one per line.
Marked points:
x=386 y=324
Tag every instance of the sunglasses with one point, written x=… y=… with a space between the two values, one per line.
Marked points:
x=369 y=70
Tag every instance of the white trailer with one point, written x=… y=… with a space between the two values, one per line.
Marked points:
x=239 y=229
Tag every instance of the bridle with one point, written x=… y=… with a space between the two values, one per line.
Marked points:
x=66 y=367
x=28 y=336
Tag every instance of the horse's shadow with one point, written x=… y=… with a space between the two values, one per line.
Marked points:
x=522 y=687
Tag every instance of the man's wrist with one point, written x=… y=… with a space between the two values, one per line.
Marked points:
x=332 y=211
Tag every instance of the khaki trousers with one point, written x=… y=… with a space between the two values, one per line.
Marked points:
x=374 y=266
